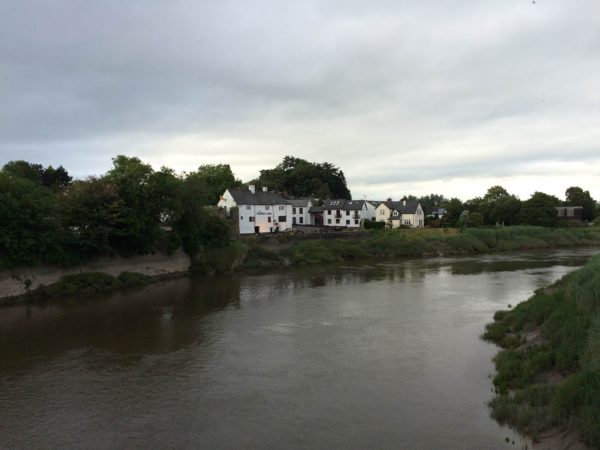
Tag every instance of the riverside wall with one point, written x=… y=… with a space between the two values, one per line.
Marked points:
x=18 y=281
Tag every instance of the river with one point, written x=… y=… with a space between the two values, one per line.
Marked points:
x=378 y=355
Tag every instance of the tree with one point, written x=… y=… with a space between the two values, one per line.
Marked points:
x=498 y=206
x=299 y=178
x=30 y=231
x=540 y=210
x=56 y=179
x=132 y=179
x=575 y=196
x=24 y=169
x=454 y=208
x=432 y=202
x=94 y=216
x=214 y=180
x=198 y=228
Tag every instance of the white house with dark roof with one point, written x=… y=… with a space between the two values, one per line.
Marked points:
x=346 y=213
x=258 y=211
x=395 y=214
x=300 y=210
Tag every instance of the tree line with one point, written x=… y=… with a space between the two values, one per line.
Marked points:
x=47 y=218
x=498 y=206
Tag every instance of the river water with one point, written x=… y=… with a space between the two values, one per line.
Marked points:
x=364 y=356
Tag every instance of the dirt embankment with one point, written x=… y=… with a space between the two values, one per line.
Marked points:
x=19 y=281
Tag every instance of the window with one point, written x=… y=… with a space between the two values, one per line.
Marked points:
x=248 y=207
x=267 y=207
x=382 y=212
x=294 y=210
x=269 y=219
x=282 y=219
x=347 y=213
x=407 y=222
x=241 y=217
x=329 y=221
x=337 y=220
x=301 y=219
x=250 y=219
x=301 y=210
x=294 y=220
x=347 y=222
x=356 y=222
x=281 y=208
x=329 y=211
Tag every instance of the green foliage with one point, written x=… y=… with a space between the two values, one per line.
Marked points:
x=540 y=210
x=370 y=225
x=133 y=279
x=132 y=209
x=299 y=178
x=30 y=229
x=210 y=181
x=220 y=260
x=94 y=217
x=85 y=283
x=454 y=208
x=575 y=196
x=568 y=317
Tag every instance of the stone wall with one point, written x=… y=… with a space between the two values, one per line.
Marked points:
x=15 y=282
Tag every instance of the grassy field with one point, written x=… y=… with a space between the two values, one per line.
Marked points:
x=554 y=379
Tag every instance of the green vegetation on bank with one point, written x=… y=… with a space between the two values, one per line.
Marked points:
x=431 y=242
x=86 y=283
x=548 y=372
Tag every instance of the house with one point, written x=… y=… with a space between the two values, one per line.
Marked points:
x=258 y=212
x=437 y=213
x=300 y=210
x=346 y=213
x=316 y=215
x=395 y=214
x=570 y=213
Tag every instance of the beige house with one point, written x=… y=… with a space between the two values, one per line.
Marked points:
x=404 y=212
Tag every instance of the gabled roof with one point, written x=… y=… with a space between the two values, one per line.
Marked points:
x=344 y=205
x=375 y=203
x=299 y=202
x=244 y=196
x=315 y=209
x=402 y=208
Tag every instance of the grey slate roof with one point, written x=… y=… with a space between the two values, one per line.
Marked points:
x=344 y=205
x=408 y=208
x=315 y=209
x=243 y=196
x=299 y=202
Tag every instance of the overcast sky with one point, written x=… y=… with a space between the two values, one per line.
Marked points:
x=407 y=97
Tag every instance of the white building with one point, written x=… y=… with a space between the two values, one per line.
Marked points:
x=346 y=213
x=258 y=212
x=299 y=211
x=395 y=214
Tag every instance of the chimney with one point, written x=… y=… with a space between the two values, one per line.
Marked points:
x=252 y=188
x=403 y=202
x=389 y=200
x=264 y=189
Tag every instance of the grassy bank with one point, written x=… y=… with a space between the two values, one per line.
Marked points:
x=548 y=373
x=437 y=242
x=380 y=244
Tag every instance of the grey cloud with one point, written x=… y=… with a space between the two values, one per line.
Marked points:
x=345 y=81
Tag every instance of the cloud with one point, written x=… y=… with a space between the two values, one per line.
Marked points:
x=403 y=96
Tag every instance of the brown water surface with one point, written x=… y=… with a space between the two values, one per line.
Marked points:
x=367 y=356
